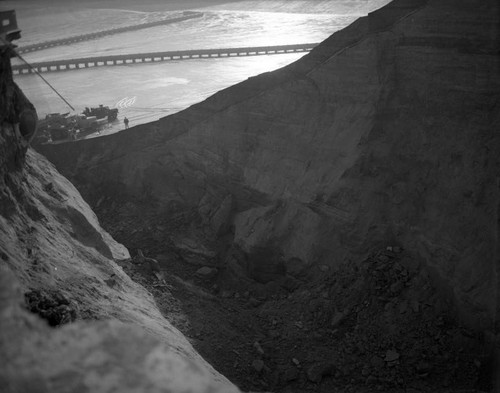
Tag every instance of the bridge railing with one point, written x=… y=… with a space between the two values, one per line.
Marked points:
x=89 y=62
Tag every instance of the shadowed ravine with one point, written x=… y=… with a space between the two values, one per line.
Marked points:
x=330 y=226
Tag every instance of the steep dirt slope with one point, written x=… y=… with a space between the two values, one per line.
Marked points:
x=54 y=254
x=384 y=134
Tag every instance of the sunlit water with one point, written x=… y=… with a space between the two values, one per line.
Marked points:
x=159 y=89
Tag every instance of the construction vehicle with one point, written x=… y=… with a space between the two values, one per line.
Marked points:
x=63 y=126
x=102 y=112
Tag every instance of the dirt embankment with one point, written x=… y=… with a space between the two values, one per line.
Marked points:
x=377 y=324
x=332 y=225
x=382 y=134
x=96 y=330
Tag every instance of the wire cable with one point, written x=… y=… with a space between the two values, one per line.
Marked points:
x=36 y=72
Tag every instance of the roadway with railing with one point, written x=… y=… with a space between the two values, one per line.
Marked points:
x=141 y=58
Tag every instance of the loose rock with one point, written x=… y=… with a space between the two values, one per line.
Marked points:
x=258 y=348
x=206 y=272
x=291 y=374
x=258 y=365
x=391 y=356
x=377 y=362
x=51 y=305
x=317 y=371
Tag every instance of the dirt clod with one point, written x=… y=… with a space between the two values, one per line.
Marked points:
x=51 y=305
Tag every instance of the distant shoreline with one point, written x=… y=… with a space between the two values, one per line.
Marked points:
x=154 y=5
x=31 y=8
x=27 y=6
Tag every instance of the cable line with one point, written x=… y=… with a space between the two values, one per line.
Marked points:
x=36 y=72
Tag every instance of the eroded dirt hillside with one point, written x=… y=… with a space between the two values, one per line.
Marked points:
x=56 y=261
x=384 y=134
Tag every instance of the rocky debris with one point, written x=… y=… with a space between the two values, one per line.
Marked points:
x=296 y=267
x=258 y=365
x=194 y=252
x=377 y=322
x=391 y=356
x=258 y=348
x=226 y=294
x=317 y=371
x=149 y=263
x=377 y=344
x=220 y=219
x=338 y=317
x=290 y=283
x=265 y=264
x=376 y=362
x=51 y=305
x=291 y=374
x=253 y=302
x=206 y=272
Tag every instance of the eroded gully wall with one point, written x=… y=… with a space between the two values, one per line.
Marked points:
x=52 y=243
x=384 y=134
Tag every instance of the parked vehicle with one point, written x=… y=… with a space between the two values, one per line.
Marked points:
x=63 y=126
x=102 y=112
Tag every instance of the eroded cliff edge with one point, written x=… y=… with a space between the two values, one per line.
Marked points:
x=384 y=134
x=54 y=252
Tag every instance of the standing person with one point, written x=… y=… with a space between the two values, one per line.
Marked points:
x=126 y=122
